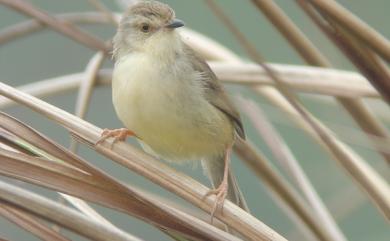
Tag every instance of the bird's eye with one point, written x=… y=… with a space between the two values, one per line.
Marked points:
x=145 y=28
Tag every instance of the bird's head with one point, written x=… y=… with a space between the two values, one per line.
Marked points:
x=145 y=26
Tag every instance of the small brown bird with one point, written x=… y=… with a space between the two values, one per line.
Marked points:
x=170 y=99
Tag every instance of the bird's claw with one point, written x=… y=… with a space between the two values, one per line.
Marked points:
x=118 y=135
x=221 y=193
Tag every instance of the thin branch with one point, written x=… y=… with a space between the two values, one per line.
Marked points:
x=56 y=24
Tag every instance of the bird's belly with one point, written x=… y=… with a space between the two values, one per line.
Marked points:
x=174 y=123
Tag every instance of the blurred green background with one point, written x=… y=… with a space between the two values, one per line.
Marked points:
x=47 y=54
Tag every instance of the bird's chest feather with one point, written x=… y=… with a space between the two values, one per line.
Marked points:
x=143 y=91
x=150 y=99
x=166 y=109
x=140 y=90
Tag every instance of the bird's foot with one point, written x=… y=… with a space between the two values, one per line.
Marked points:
x=118 y=135
x=220 y=193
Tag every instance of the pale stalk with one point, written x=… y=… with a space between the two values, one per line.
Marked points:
x=362 y=173
x=64 y=216
x=147 y=166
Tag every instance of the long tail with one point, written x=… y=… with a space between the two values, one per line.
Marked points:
x=214 y=169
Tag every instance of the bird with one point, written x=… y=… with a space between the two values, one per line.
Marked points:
x=167 y=96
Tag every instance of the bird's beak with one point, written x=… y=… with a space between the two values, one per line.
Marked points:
x=176 y=23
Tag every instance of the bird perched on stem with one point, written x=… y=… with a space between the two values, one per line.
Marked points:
x=169 y=98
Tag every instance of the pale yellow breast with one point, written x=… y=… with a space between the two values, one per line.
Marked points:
x=166 y=109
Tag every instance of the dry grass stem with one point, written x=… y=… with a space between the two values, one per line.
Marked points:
x=61 y=170
x=300 y=78
x=51 y=166
x=375 y=71
x=58 y=25
x=30 y=223
x=374 y=185
x=355 y=26
x=98 y=5
x=22 y=29
x=363 y=58
x=278 y=185
x=86 y=88
x=368 y=179
x=148 y=167
x=357 y=109
x=287 y=160
x=291 y=32
x=87 y=210
x=82 y=105
x=65 y=216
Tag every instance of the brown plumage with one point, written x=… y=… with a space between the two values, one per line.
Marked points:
x=215 y=92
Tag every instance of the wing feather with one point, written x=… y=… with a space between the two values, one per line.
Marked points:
x=215 y=92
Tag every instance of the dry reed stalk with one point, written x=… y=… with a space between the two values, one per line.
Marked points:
x=60 y=26
x=65 y=216
x=300 y=78
x=374 y=185
x=320 y=231
x=263 y=169
x=83 y=98
x=368 y=179
x=21 y=29
x=86 y=88
x=98 y=5
x=355 y=107
x=313 y=56
x=356 y=26
x=287 y=160
x=57 y=168
x=30 y=224
x=135 y=160
x=301 y=43
x=368 y=62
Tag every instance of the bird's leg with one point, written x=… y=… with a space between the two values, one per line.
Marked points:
x=222 y=189
x=118 y=134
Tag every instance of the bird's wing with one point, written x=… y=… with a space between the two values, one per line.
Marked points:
x=215 y=93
